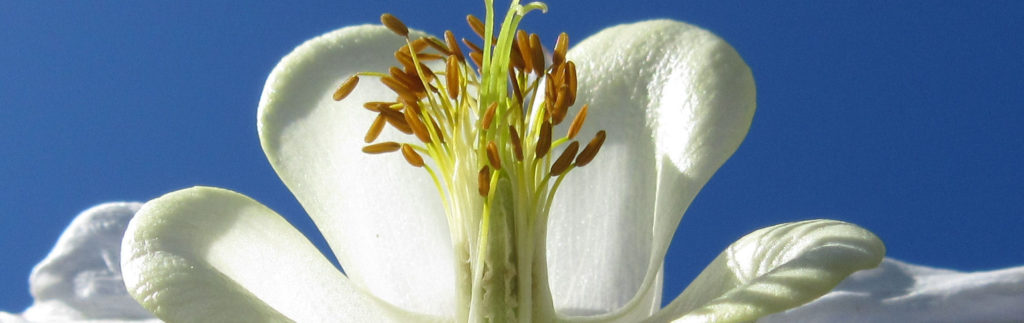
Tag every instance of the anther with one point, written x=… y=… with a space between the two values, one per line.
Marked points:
x=346 y=88
x=438 y=45
x=570 y=80
x=477 y=58
x=375 y=128
x=405 y=59
x=561 y=46
x=515 y=85
x=453 y=46
x=452 y=75
x=537 y=54
x=544 y=141
x=418 y=45
x=376 y=106
x=523 y=41
x=396 y=119
x=483 y=181
x=396 y=26
x=437 y=130
x=384 y=147
x=398 y=87
x=477 y=26
x=577 y=122
x=517 y=145
x=516 y=57
x=417 y=126
x=561 y=105
x=565 y=160
x=489 y=115
x=492 y=155
x=411 y=156
x=412 y=83
x=472 y=46
x=591 y=150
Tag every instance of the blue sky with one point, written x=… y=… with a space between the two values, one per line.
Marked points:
x=902 y=117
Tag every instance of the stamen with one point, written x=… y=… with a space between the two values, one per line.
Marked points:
x=489 y=116
x=417 y=127
x=478 y=58
x=561 y=105
x=376 y=106
x=453 y=46
x=561 y=46
x=396 y=119
x=516 y=58
x=375 y=128
x=592 y=148
x=452 y=73
x=405 y=59
x=544 y=141
x=515 y=85
x=410 y=82
x=564 y=160
x=412 y=156
x=523 y=41
x=384 y=147
x=346 y=88
x=399 y=88
x=517 y=146
x=577 y=122
x=477 y=26
x=396 y=26
x=472 y=46
x=570 y=80
x=537 y=54
x=483 y=180
x=418 y=45
x=492 y=155
x=437 y=130
x=438 y=45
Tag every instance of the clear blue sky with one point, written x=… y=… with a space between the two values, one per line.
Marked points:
x=902 y=117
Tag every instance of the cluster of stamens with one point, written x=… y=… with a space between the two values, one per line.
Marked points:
x=431 y=108
x=493 y=122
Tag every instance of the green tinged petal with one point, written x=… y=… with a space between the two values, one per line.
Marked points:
x=205 y=254
x=774 y=269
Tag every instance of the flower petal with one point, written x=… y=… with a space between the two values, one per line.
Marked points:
x=774 y=269
x=382 y=218
x=900 y=292
x=207 y=255
x=676 y=102
x=80 y=279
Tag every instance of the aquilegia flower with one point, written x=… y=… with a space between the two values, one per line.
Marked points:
x=487 y=128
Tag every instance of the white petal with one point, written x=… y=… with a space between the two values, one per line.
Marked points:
x=80 y=279
x=676 y=101
x=382 y=218
x=211 y=255
x=774 y=269
x=902 y=292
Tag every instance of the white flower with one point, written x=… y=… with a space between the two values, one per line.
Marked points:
x=675 y=100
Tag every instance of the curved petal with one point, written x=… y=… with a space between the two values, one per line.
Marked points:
x=676 y=102
x=211 y=255
x=365 y=205
x=900 y=292
x=774 y=269
x=80 y=279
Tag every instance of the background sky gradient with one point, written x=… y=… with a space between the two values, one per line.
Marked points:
x=904 y=118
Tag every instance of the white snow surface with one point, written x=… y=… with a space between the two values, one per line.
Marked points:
x=80 y=281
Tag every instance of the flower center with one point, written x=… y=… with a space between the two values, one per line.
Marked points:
x=487 y=135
